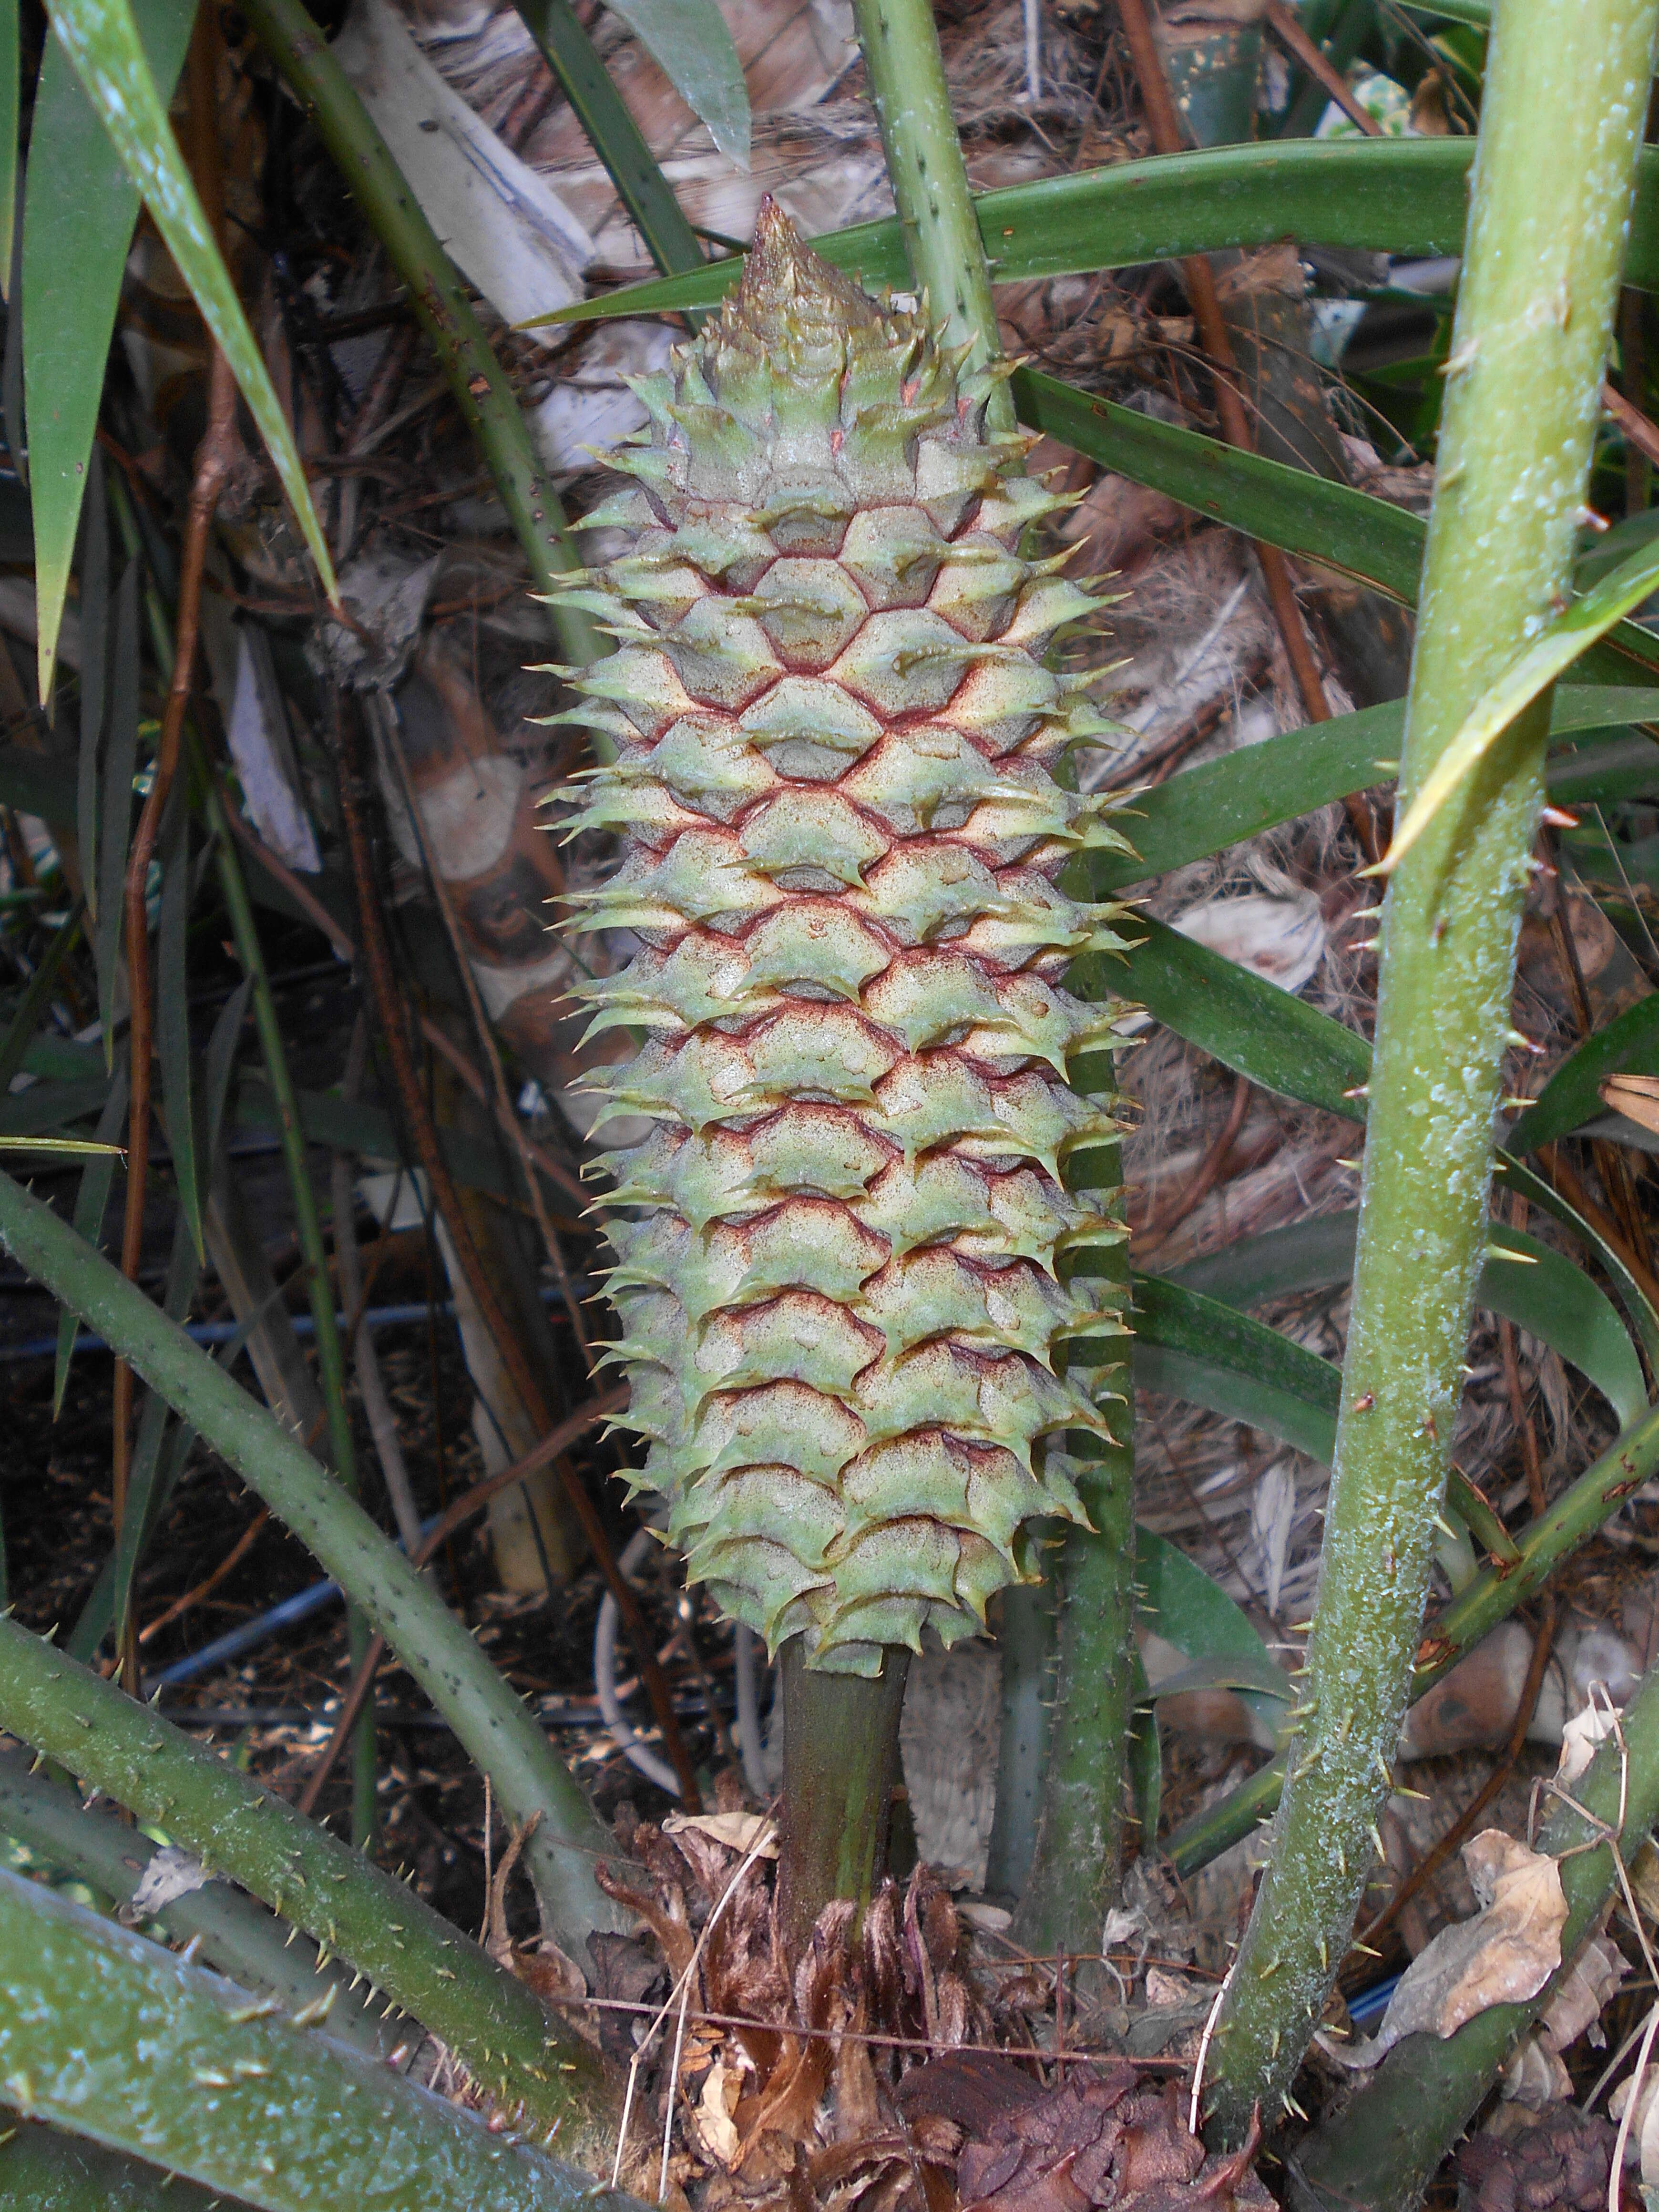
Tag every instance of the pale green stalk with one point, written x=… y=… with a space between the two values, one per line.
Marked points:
x=1566 y=94
x=1079 y=1832
x=106 y=2034
x=489 y=1718
x=942 y=242
x=390 y=1937
x=231 y=1931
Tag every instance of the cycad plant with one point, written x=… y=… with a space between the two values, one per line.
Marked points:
x=868 y=1274
x=852 y=1275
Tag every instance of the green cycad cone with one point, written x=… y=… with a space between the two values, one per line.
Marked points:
x=843 y=1253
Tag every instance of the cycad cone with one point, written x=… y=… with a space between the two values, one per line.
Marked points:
x=843 y=1253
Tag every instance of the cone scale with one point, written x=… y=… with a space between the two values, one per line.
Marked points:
x=847 y=1262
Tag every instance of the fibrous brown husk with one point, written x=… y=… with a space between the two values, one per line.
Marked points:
x=1560 y=2166
x=1110 y=2140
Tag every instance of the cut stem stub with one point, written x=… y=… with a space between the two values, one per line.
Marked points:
x=840 y=1761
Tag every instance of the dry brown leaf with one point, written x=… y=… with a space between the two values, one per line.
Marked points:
x=1108 y=2141
x=1581 y=1738
x=1504 y=1954
x=791 y=2102
x=712 y=2117
x=1535 y=2077
x=739 y=1832
x=1577 y=2004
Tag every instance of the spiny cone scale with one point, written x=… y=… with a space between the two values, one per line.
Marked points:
x=846 y=1262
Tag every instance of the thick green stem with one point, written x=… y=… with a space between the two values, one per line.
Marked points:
x=478 y=383
x=1028 y=1642
x=313 y=1255
x=1565 y=96
x=1080 y=1830
x=338 y=1897
x=50 y=2172
x=942 y=242
x=247 y=1944
x=489 y=1719
x=1079 y=1835
x=108 y=2035
x=840 y=1761
x=1380 y=2152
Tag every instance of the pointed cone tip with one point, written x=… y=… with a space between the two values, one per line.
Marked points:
x=782 y=270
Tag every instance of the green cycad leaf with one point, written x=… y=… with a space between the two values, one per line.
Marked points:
x=91 y=1202
x=689 y=41
x=1524 y=1280
x=79 y=209
x=1280 y=1042
x=1515 y=1175
x=1289 y=1046
x=1402 y=196
x=10 y=60
x=1204 y=810
x=1194 y=1347
x=1406 y=196
x=1546 y=1294
x=102 y=40
x=37 y=1000
x=1629 y=1043
x=1565 y=641
x=1302 y=514
x=613 y=134
x=95 y=667
x=55 y=1147
x=48 y=1108
x=1178 y=1601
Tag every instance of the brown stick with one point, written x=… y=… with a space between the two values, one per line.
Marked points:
x=1282 y=22
x=486 y=1037
x=1635 y=425
x=206 y=1587
x=1555 y=1166
x=1160 y=1226
x=377 y=972
x=1610 y=1162
x=213 y=460
x=346 y=947
x=461 y=1510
